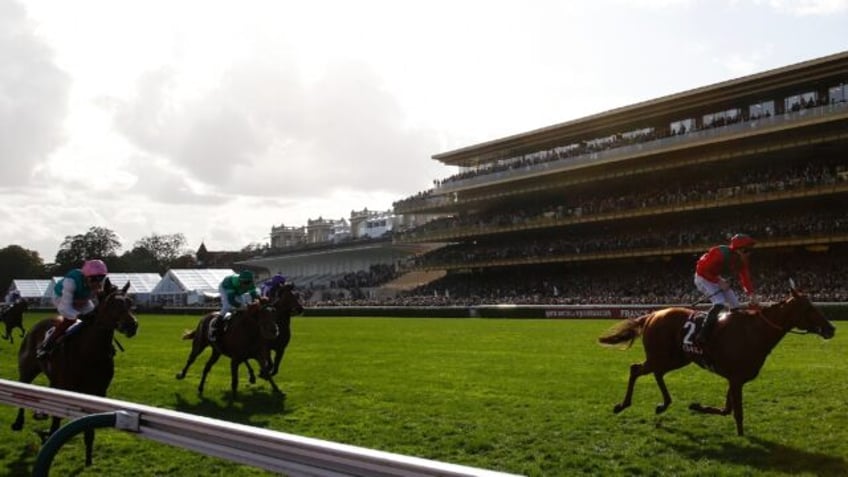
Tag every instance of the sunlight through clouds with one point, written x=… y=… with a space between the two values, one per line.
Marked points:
x=222 y=119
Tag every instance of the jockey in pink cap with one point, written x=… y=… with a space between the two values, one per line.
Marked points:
x=72 y=296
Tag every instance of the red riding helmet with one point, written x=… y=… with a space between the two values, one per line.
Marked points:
x=740 y=241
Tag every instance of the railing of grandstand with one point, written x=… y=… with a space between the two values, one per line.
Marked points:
x=262 y=448
x=619 y=254
x=442 y=191
x=460 y=232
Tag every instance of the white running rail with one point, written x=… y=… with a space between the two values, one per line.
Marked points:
x=271 y=450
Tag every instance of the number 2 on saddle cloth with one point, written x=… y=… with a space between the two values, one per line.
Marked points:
x=691 y=327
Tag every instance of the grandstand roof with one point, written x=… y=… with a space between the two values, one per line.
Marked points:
x=139 y=282
x=337 y=259
x=616 y=120
x=195 y=279
x=30 y=288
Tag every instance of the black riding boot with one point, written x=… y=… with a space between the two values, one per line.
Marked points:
x=46 y=347
x=55 y=336
x=215 y=325
x=709 y=323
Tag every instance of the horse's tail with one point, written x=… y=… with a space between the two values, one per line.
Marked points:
x=189 y=334
x=624 y=332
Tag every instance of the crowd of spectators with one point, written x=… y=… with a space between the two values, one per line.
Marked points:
x=668 y=282
x=645 y=282
x=583 y=148
x=651 y=194
x=786 y=224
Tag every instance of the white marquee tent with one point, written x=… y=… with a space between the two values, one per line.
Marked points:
x=188 y=287
x=32 y=290
x=141 y=284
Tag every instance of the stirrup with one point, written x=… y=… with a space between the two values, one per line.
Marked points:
x=43 y=351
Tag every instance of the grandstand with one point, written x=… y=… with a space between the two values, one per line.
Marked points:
x=616 y=207
x=333 y=269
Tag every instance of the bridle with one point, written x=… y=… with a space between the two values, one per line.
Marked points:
x=791 y=329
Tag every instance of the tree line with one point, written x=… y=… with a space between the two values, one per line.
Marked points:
x=150 y=254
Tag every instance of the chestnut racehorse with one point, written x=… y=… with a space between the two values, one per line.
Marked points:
x=737 y=350
x=84 y=362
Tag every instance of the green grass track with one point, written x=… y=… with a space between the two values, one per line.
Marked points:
x=531 y=397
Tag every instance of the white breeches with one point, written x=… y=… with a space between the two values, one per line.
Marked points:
x=717 y=292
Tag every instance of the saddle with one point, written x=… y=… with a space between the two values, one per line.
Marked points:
x=58 y=333
x=219 y=325
x=691 y=328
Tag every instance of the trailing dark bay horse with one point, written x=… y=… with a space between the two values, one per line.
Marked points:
x=245 y=338
x=13 y=317
x=84 y=362
x=286 y=304
x=737 y=350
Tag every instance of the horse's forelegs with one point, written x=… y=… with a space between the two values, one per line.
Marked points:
x=251 y=377
x=664 y=390
x=54 y=426
x=19 y=421
x=636 y=370
x=698 y=407
x=234 y=365
x=278 y=358
x=209 y=363
x=274 y=387
x=88 y=438
x=735 y=393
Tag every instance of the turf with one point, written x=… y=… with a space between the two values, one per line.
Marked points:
x=531 y=397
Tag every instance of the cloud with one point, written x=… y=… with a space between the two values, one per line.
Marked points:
x=33 y=97
x=260 y=131
x=161 y=181
x=808 y=7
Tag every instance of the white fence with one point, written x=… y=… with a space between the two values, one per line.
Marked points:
x=274 y=451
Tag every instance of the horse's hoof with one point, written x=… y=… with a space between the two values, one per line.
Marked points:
x=618 y=408
x=44 y=435
x=16 y=426
x=695 y=406
x=180 y=376
x=661 y=408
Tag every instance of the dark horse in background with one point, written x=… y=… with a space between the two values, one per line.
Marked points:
x=286 y=302
x=737 y=350
x=83 y=362
x=13 y=317
x=245 y=337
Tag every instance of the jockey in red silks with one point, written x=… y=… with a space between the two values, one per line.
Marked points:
x=714 y=266
x=72 y=296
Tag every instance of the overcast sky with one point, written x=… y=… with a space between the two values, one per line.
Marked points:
x=220 y=119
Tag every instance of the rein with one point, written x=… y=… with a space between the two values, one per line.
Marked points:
x=777 y=327
x=769 y=322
